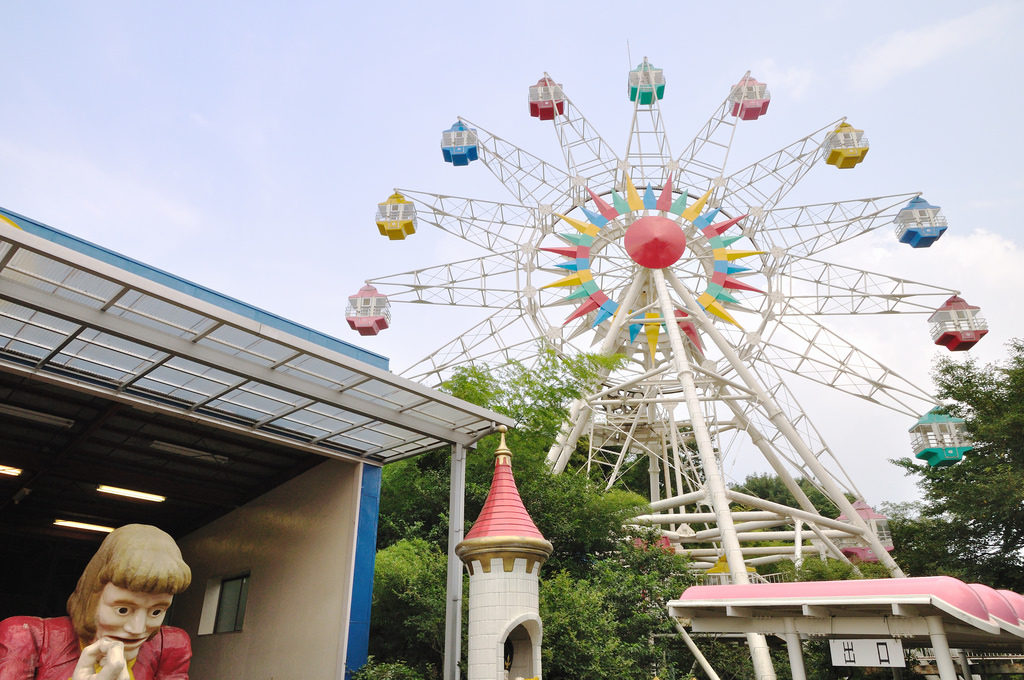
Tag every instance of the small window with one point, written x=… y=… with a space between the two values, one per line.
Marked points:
x=231 y=604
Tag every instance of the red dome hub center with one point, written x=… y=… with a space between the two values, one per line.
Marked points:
x=655 y=242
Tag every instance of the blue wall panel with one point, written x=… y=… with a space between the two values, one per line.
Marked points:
x=362 y=578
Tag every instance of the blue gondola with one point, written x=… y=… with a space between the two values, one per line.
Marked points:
x=919 y=223
x=458 y=144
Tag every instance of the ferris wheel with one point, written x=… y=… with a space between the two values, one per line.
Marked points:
x=712 y=290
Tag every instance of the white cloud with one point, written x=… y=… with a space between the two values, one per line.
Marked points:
x=905 y=51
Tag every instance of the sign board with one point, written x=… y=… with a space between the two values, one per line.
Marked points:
x=875 y=653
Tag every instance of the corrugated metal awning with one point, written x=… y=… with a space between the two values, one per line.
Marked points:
x=82 y=316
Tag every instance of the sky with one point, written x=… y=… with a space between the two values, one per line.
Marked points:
x=245 y=145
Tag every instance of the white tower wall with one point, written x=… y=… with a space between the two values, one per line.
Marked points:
x=499 y=603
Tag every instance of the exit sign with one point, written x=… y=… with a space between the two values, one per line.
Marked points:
x=875 y=653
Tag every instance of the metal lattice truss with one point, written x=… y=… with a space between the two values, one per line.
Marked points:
x=675 y=414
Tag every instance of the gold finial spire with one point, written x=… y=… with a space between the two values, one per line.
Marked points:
x=503 y=454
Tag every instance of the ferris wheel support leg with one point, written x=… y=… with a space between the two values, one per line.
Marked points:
x=779 y=419
x=453 y=602
x=572 y=428
x=673 y=435
x=654 y=475
x=568 y=435
x=666 y=469
x=713 y=482
x=798 y=545
x=796 y=652
x=655 y=458
x=761 y=442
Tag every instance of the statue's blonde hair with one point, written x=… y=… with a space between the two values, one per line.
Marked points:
x=136 y=557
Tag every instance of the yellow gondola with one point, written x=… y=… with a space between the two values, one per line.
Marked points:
x=396 y=217
x=847 y=146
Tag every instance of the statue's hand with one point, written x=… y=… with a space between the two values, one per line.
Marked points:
x=109 y=654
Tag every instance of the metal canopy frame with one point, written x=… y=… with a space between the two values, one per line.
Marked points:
x=109 y=326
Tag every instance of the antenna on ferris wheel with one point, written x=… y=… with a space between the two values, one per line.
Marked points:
x=629 y=55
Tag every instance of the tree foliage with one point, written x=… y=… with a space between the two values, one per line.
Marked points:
x=387 y=670
x=408 y=620
x=829 y=569
x=613 y=621
x=971 y=521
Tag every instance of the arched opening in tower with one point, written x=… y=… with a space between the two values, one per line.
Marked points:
x=518 y=654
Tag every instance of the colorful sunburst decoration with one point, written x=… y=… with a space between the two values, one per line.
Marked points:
x=654 y=239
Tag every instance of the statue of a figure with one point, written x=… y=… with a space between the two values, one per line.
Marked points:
x=114 y=629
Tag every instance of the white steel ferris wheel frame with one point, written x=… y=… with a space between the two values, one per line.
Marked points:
x=681 y=410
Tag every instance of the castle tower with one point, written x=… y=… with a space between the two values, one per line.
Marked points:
x=503 y=552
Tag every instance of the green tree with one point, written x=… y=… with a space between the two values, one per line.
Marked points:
x=922 y=542
x=580 y=639
x=385 y=670
x=408 y=614
x=971 y=520
x=613 y=622
x=828 y=569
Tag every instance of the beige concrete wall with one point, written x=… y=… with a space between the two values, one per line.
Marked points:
x=297 y=544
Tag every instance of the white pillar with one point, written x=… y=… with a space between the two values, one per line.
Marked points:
x=796 y=652
x=943 y=656
x=453 y=604
x=798 y=548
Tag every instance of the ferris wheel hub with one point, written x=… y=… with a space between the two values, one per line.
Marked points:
x=655 y=242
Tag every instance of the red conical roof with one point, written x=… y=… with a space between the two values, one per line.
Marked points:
x=503 y=513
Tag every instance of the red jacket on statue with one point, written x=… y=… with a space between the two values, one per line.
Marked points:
x=47 y=649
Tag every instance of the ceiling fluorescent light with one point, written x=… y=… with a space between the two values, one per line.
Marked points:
x=10 y=471
x=71 y=524
x=129 y=493
x=37 y=416
x=186 y=452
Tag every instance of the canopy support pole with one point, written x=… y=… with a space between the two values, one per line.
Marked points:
x=453 y=604
x=796 y=652
x=940 y=645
